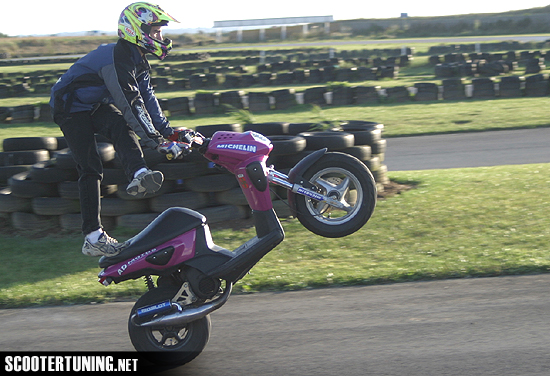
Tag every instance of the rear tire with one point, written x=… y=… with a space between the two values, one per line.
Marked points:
x=168 y=345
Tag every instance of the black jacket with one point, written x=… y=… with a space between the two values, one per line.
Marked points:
x=116 y=74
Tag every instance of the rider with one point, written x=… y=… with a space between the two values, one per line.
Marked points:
x=109 y=92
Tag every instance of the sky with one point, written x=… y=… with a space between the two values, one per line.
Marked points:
x=39 y=17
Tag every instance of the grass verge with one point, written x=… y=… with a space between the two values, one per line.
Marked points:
x=455 y=223
x=400 y=119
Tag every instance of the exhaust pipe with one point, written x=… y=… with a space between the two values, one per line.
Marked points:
x=185 y=316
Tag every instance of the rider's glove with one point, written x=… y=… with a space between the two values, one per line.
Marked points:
x=173 y=149
x=182 y=135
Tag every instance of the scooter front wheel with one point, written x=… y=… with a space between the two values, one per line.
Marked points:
x=350 y=183
x=168 y=345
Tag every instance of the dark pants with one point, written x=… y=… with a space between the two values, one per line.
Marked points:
x=79 y=130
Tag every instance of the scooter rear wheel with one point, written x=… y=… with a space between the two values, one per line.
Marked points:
x=168 y=345
x=345 y=179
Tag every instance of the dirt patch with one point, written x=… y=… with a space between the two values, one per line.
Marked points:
x=393 y=188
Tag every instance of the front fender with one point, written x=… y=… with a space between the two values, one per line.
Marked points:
x=295 y=175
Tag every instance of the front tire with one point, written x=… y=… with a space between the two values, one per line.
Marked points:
x=168 y=345
x=346 y=179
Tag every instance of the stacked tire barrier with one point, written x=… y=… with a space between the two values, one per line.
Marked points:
x=487 y=64
x=208 y=103
x=234 y=77
x=40 y=179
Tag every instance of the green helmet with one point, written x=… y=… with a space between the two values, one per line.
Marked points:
x=134 y=25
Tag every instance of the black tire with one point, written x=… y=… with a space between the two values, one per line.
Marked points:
x=54 y=206
x=361 y=152
x=23 y=186
x=329 y=139
x=361 y=125
x=73 y=222
x=315 y=95
x=61 y=143
x=48 y=172
x=212 y=183
x=10 y=203
x=114 y=206
x=151 y=156
x=258 y=101
x=181 y=170
x=365 y=137
x=233 y=196
x=225 y=213
x=379 y=147
x=152 y=342
x=136 y=221
x=287 y=145
x=113 y=176
x=397 y=94
x=345 y=174
x=282 y=209
x=373 y=164
x=33 y=222
x=65 y=158
x=106 y=151
x=22 y=114
x=296 y=128
x=191 y=200
x=209 y=130
x=26 y=157
x=178 y=106
x=268 y=129
x=8 y=171
x=69 y=190
x=30 y=143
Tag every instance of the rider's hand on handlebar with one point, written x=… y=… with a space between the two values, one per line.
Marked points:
x=173 y=149
x=187 y=136
x=182 y=135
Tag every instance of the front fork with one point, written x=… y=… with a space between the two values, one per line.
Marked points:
x=280 y=179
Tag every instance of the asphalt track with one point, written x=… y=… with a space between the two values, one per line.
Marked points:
x=484 y=326
x=476 y=149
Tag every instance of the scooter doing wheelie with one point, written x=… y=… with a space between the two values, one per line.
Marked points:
x=332 y=194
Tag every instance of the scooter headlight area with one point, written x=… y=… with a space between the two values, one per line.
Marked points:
x=331 y=194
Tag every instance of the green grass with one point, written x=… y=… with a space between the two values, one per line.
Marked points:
x=414 y=118
x=455 y=223
x=405 y=119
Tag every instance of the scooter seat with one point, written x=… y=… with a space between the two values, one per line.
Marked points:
x=169 y=224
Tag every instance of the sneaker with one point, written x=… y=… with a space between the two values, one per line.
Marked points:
x=105 y=246
x=146 y=182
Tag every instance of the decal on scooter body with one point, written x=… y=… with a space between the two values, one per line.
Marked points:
x=242 y=147
x=309 y=193
x=154 y=309
x=184 y=249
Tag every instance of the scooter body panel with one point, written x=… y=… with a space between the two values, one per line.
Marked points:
x=244 y=154
x=169 y=255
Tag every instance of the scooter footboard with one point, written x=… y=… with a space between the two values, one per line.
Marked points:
x=269 y=233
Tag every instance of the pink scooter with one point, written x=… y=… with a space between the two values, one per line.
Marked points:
x=332 y=194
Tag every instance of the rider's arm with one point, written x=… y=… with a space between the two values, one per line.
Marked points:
x=160 y=121
x=120 y=79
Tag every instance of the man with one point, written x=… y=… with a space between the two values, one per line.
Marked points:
x=109 y=92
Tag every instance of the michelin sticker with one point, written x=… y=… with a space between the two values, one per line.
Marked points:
x=247 y=148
